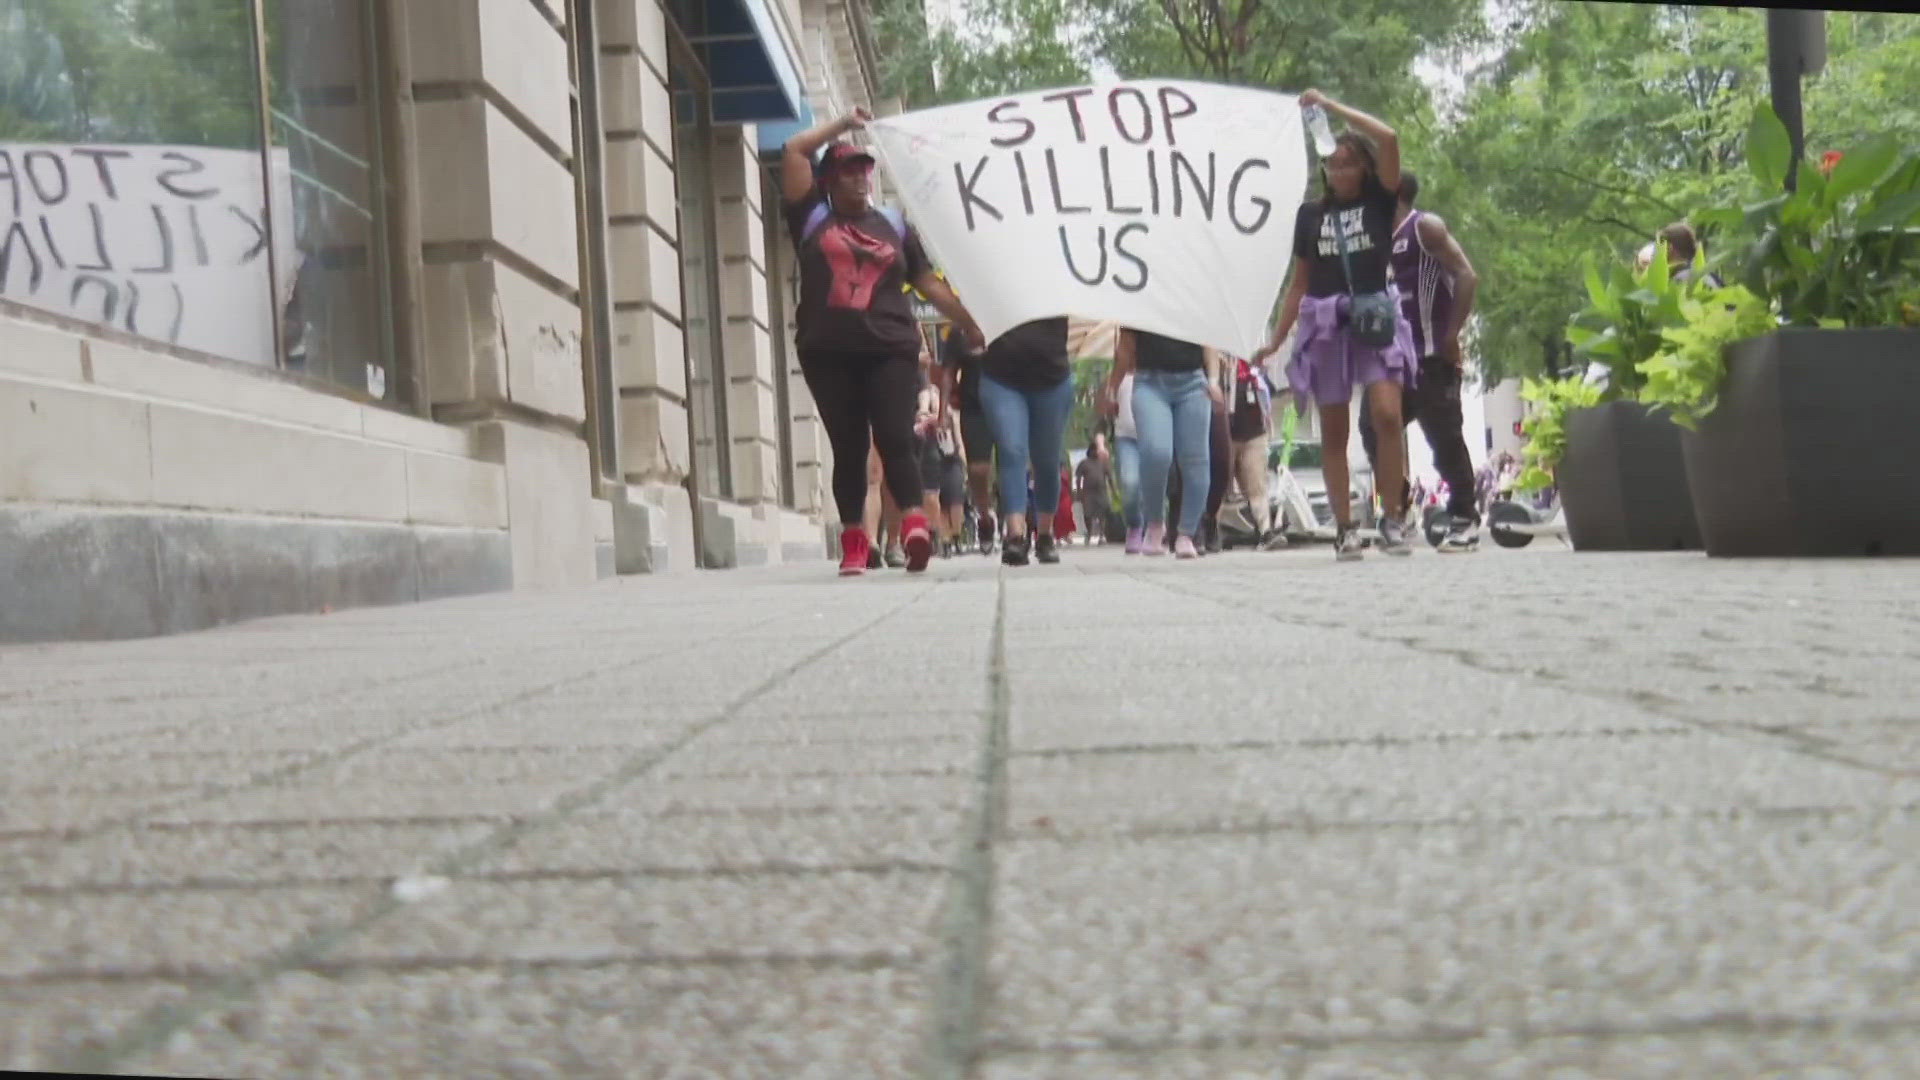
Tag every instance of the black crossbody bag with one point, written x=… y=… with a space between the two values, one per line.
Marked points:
x=1372 y=316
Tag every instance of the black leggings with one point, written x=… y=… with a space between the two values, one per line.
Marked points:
x=1219 y=462
x=867 y=398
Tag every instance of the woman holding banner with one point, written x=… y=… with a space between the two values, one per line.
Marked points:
x=858 y=340
x=1351 y=328
x=1172 y=399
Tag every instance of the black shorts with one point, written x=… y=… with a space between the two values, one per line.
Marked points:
x=932 y=462
x=953 y=483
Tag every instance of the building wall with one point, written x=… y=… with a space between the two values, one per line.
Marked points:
x=649 y=339
x=1504 y=408
x=146 y=489
x=143 y=493
x=502 y=264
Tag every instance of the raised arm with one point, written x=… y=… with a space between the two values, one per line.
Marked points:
x=1386 y=142
x=1438 y=239
x=796 y=161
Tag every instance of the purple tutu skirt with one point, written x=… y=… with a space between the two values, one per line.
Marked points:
x=1327 y=363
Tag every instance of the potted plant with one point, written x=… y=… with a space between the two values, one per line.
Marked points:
x=1801 y=441
x=1617 y=463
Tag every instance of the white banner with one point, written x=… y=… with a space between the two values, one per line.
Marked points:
x=166 y=242
x=1164 y=206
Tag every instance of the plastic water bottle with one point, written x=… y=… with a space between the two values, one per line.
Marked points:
x=1317 y=127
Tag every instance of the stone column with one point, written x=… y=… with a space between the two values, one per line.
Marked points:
x=500 y=244
x=751 y=414
x=649 y=344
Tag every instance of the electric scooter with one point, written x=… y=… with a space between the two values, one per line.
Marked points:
x=1514 y=524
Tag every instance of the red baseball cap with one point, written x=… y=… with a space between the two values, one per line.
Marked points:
x=840 y=153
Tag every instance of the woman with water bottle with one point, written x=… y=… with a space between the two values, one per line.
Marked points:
x=1343 y=297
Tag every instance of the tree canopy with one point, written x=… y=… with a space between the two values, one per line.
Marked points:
x=1577 y=130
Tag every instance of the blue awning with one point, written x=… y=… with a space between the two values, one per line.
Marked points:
x=756 y=80
x=773 y=137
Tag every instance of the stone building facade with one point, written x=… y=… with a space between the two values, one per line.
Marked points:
x=512 y=308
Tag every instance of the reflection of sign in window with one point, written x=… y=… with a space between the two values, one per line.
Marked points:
x=165 y=242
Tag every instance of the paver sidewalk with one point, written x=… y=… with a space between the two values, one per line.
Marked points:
x=1519 y=814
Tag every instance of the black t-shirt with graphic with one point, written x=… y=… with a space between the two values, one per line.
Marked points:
x=853 y=272
x=1368 y=224
x=1031 y=356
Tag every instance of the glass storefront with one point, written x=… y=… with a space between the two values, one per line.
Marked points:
x=324 y=117
x=130 y=177
x=699 y=252
x=211 y=175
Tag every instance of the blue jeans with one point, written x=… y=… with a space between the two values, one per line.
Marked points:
x=1174 y=416
x=1029 y=426
x=1126 y=458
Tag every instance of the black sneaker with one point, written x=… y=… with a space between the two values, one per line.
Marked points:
x=1013 y=551
x=984 y=530
x=1211 y=532
x=873 y=559
x=1043 y=549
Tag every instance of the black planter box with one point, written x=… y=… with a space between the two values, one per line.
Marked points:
x=1622 y=481
x=1813 y=449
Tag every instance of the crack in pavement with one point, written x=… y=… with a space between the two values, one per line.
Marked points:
x=1673 y=709
x=959 y=997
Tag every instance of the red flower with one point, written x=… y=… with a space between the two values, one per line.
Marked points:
x=1828 y=160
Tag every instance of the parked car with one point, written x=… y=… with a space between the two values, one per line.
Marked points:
x=1299 y=487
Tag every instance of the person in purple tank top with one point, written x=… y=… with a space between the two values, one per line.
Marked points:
x=1437 y=287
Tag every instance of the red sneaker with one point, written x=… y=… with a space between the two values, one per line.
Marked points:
x=854 y=547
x=917 y=538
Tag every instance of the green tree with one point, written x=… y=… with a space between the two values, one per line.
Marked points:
x=1590 y=127
x=1597 y=124
x=1361 y=52
x=1003 y=47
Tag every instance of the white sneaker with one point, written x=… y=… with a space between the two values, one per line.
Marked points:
x=1347 y=546
x=1393 y=536
x=1462 y=536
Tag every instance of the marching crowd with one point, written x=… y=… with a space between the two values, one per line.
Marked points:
x=1377 y=297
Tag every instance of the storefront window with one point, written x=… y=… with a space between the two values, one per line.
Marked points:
x=699 y=267
x=130 y=177
x=778 y=313
x=130 y=191
x=333 y=263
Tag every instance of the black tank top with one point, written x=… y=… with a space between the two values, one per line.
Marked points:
x=1154 y=352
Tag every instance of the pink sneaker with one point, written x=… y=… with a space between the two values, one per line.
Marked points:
x=1136 y=539
x=917 y=538
x=854 y=547
x=1154 y=543
x=1183 y=548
